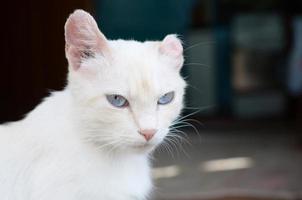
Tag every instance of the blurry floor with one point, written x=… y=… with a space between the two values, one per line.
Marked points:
x=263 y=162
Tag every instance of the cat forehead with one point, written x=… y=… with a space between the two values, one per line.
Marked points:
x=137 y=69
x=136 y=60
x=134 y=50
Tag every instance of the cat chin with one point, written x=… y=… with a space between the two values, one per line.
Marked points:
x=145 y=147
x=139 y=148
x=136 y=148
x=142 y=149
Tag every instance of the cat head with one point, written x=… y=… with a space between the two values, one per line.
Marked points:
x=125 y=93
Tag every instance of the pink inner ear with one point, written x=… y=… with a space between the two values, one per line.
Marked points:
x=82 y=34
x=80 y=29
x=171 y=45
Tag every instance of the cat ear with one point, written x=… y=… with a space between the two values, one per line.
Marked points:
x=171 y=47
x=83 y=39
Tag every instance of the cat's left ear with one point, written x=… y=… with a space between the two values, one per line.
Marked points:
x=83 y=39
x=171 y=48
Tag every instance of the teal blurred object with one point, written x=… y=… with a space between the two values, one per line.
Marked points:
x=143 y=19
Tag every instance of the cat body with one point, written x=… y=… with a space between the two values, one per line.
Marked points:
x=92 y=140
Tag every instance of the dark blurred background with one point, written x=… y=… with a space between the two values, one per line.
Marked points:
x=244 y=69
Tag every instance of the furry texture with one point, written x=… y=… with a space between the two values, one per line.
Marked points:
x=75 y=145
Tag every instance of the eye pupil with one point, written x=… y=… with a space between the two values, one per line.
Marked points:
x=166 y=98
x=117 y=100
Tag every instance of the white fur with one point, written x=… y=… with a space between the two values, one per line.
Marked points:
x=76 y=146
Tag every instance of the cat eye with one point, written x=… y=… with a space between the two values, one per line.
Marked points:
x=166 y=98
x=117 y=100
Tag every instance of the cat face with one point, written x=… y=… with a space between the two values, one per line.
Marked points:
x=126 y=93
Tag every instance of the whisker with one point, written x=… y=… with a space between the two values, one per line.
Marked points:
x=165 y=145
x=184 y=138
x=198 y=44
x=173 y=144
x=194 y=120
x=188 y=115
x=179 y=140
x=196 y=89
x=197 y=64
x=192 y=126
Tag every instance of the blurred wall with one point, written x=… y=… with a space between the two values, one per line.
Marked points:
x=32 y=52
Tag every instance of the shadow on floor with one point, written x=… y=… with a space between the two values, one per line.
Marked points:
x=238 y=164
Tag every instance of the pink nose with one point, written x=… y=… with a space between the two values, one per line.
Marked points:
x=148 y=133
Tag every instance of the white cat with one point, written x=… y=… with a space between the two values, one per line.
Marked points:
x=91 y=141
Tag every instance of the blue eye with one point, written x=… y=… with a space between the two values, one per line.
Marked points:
x=166 y=98
x=117 y=100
